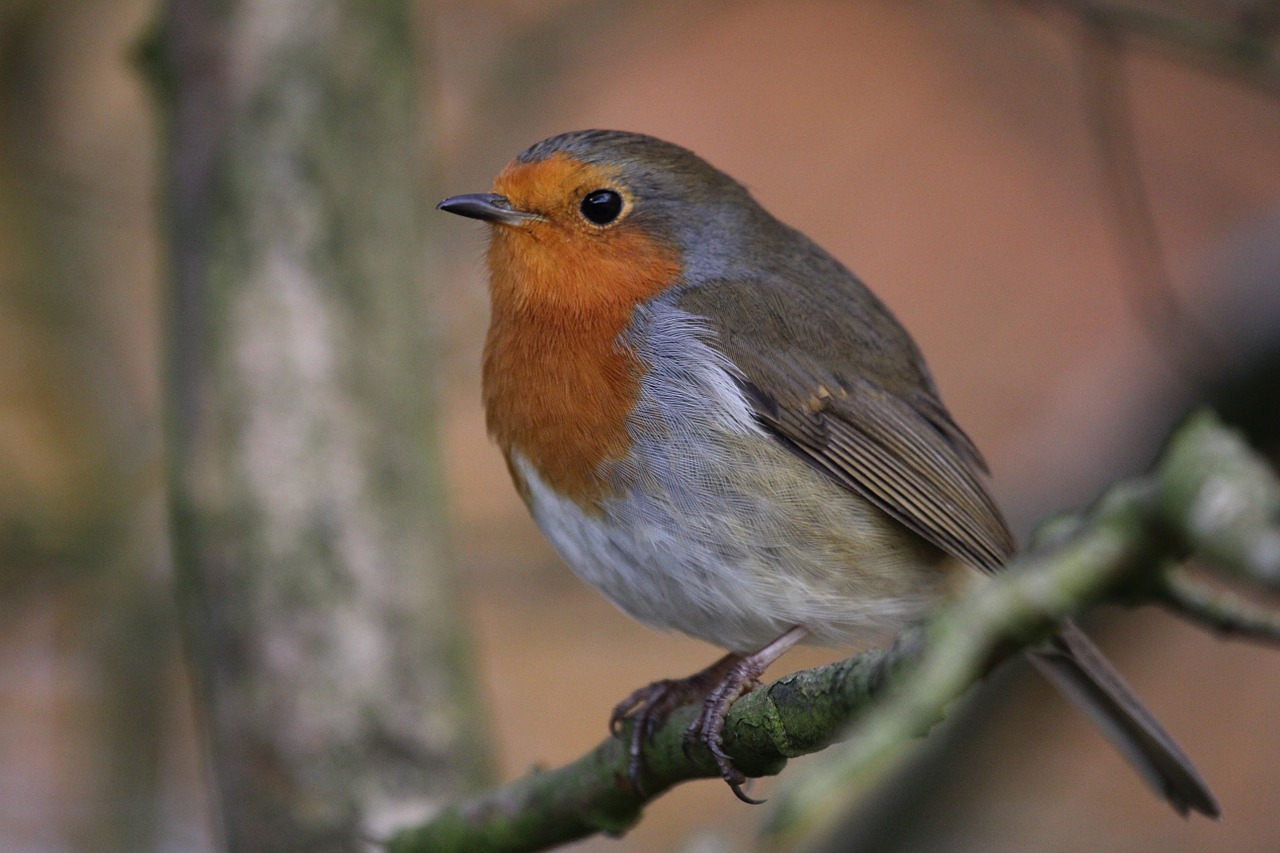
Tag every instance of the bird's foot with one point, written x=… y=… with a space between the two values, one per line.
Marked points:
x=708 y=726
x=649 y=707
x=719 y=686
x=740 y=678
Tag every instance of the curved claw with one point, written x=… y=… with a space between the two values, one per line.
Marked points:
x=692 y=737
x=708 y=728
x=736 y=787
x=729 y=772
x=647 y=708
x=636 y=701
x=740 y=678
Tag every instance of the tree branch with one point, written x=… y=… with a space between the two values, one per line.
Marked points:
x=1220 y=609
x=1238 y=44
x=1209 y=493
x=1221 y=498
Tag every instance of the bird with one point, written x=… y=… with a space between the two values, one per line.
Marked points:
x=724 y=431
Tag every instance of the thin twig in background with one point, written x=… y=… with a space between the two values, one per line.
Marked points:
x=1221 y=609
x=1234 y=39
x=1195 y=352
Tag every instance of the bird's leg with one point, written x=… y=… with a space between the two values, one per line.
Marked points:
x=649 y=706
x=742 y=676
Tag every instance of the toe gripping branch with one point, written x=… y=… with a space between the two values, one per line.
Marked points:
x=718 y=686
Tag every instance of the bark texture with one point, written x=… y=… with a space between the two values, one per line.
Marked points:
x=313 y=581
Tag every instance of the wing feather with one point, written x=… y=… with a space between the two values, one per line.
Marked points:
x=850 y=395
x=878 y=448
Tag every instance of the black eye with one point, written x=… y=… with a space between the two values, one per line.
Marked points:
x=601 y=206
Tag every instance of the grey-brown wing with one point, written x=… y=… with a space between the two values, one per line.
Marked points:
x=832 y=390
x=889 y=452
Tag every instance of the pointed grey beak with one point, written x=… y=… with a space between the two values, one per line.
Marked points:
x=488 y=207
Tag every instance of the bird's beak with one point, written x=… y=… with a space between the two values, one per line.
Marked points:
x=489 y=207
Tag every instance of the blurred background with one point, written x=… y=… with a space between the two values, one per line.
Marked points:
x=948 y=151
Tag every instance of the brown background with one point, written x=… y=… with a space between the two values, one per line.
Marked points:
x=939 y=148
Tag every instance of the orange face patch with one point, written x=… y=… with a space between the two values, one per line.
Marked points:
x=558 y=387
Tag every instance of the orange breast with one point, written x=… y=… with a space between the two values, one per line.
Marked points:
x=558 y=385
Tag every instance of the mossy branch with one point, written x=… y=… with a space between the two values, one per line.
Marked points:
x=1209 y=496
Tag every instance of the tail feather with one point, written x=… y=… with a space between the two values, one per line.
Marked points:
x=1075 y=666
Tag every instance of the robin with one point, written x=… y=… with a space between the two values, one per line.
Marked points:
x=725 y=432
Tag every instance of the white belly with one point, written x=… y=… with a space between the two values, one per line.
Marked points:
x=738 y=569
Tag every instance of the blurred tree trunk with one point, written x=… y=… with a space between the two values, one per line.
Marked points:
x=313 y=582
x=86 y=633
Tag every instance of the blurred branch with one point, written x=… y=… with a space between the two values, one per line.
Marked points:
x=1149 y=285
x=1209 y=495
x=1220 y=609
x=1239 y=42
x=1222 y=500
x=1235 y=38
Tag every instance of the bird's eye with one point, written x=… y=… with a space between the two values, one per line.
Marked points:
x=601 y=206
